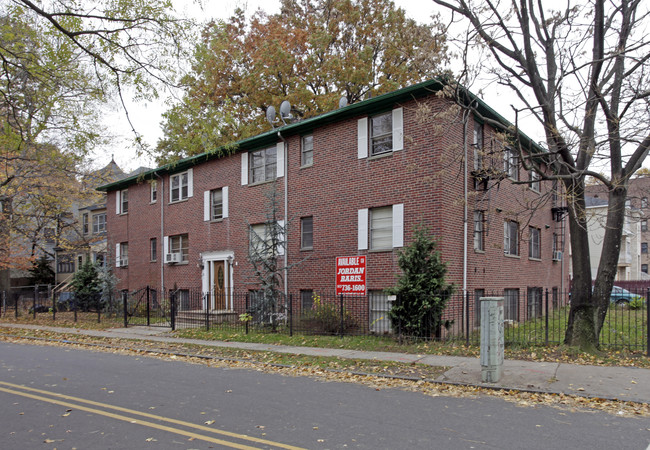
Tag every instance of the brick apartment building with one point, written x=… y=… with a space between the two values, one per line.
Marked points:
x=350 y=182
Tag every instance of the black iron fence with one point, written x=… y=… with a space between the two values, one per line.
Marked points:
x=534 y=317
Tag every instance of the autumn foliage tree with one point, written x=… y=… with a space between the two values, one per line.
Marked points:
x=312 y=53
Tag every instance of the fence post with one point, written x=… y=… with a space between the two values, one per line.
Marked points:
x=341 y=329
x=53 y=295
x=207 y=310
x=125 y=310
x=75 y=306
x=647 y=323
x=546 y=314
x=290 y=314
x=148 y=308
x=16 y=305
x=172 y=299
x=34 y=301
x=247 y=305
x=467 y=318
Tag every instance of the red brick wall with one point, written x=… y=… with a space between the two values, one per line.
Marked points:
x=426 y=176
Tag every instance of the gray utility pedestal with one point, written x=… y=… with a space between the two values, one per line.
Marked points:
x=491 y=339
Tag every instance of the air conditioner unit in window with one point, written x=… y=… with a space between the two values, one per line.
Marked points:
x=123 y=262
x=557 y=256
x=173 y=258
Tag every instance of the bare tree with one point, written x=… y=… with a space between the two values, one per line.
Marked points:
x=582 y=73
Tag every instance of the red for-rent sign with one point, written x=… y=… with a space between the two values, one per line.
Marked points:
x=351 y=275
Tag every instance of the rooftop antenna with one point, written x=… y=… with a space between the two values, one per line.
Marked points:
x=343 y=102
x=270 y=115
x=285 y=111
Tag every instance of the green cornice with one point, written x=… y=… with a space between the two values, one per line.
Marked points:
x=361 y=108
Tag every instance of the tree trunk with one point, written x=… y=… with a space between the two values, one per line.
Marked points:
x=581 y=328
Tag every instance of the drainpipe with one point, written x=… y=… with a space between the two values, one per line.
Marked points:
x=286 y=219
x=161 y=195
x=465 y=212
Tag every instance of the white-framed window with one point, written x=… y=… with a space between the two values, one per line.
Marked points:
x=122 y=201
x=153 y=249
x=511 y=163
x=179 y=243
x=153 y=191
x=267 y=239
x=534 y=243
x=511 y=304
x=122 y=254
x=99 y=223
x=535 y=181
x=381 y=228
x=477 y=143
x=644 y=247
x=263 y=165
x=479 y=230
x=85 y=224
x=644 y=268
x=307 y=150
x=381 y=133
x=180 y=186
x=307 y=233
x=380 y=304
x=215 y=204
x=511 y=237
x=644 y=225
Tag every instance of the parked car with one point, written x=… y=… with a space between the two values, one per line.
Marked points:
x=622 y=296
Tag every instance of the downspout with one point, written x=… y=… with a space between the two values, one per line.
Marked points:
x=161 y=195
x=465 y=212
x=286 y=219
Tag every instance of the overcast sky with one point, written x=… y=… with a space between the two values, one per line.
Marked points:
x=147 y=117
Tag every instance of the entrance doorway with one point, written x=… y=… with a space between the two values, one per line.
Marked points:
x=217 y=281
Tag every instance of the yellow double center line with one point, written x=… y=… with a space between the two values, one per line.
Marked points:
x=65 y=400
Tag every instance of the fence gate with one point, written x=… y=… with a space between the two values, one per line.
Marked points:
x=148 y=307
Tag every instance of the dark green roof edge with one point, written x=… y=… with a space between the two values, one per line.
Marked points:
x=374 y=104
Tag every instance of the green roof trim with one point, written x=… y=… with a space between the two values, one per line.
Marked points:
x=270 y=137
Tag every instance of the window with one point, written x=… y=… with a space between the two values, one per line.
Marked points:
x=535 y=183
x=216 y=204
x=80 y=261
x=534 y=302
x=180 y=186
x=122 y=200
x=511 y=163
x=380 y=134
x=644 y=268
x=122 y=254
x=644 y=247
x=99 y=223
x=534 y=243
x=267 y=239
x=154 y=191
x=307 y=233
x=511 y=237
x=263 y=165
x=478 y=293
x=511 y=304
x=100 y=259
x=180 y=244
x=380 y=305
x=644 y=225
x=306 y=300
x=84 y=223
x=478 y=145
x=479 y=230
x=644 y=202
x=153 y=249
x=307 y=151
x=65 y=264
x=381 y=228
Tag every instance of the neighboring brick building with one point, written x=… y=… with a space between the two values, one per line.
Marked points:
x=359 y=180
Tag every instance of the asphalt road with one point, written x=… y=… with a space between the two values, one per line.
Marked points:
x=64 y=398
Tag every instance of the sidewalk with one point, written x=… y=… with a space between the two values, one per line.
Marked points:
x=620 y=383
